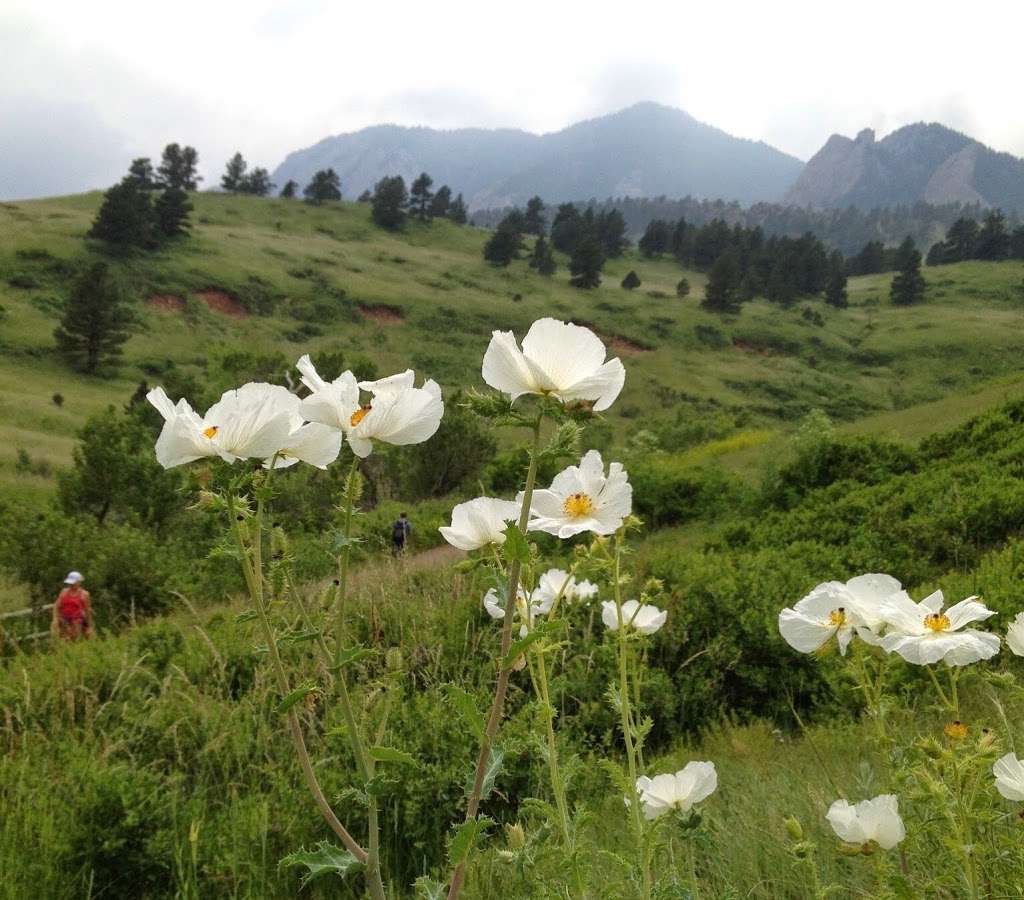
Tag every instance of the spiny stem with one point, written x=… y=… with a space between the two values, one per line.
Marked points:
x=252 y=568
x=504 y=672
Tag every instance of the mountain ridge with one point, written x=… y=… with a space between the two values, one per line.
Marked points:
x=643 y=150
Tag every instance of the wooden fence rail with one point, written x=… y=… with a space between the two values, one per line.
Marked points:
x=5 y=634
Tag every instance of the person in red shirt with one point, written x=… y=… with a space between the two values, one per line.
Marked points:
x=72 y=613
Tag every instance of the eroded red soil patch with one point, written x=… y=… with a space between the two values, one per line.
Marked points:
x=388 y=314
x=223 y=303
x=166 y=303
x=623 y=346
x=747 y=347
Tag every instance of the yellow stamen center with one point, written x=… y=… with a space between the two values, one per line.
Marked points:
x=211 y=432
x=360 y=414
x=577 y=506
x=937 y=622
x=837 y=617
x=955 y=731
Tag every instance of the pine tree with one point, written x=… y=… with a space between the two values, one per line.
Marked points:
x=234 y=175
x=325 y=185
x=961 y=240
x=611 y=228
x=457 y=211
x=908 y=285
x=682 y=243
x=1017 y=243
x=905 y=255
x=171 y=211
x=721 y=294
x=535 y=223
x=683 y=288
x=835 y=286
x=993 y=239
x=657 y=239
x=442 y=201
x=258 y=183
x=389 y=201
x=503 y=245
x=178 y=168
x=567 y=228
x=141 y=172
x=420 y=196
x=632 y=281
x=125 y=218
x=870 y=260
x=289 y=189
x=543 y=258
x=364 y=197
x=96 y=321
x=586 y=261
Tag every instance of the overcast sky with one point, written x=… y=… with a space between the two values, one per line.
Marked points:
x=87 y=86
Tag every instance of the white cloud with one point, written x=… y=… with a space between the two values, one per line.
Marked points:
x=124 y=78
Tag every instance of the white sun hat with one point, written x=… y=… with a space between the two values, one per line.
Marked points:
x=73 y=578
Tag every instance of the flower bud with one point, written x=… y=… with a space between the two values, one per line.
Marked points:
x=515 y=836
x=793 y=829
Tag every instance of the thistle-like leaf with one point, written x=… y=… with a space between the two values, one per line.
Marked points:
x=323 y=859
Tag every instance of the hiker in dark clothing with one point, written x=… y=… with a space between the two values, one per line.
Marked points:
x=400 y=533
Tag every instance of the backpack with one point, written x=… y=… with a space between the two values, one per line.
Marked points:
x=398 y=531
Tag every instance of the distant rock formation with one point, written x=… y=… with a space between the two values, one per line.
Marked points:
x=918 y=163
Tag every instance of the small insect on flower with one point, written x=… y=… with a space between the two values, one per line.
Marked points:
x=870 y=821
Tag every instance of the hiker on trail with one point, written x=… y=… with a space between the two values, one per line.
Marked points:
x=400 y=533
x=72 y=613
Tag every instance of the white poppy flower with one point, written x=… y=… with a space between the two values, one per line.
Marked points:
x=312 y=443
x=646 y=619
x=528 y=607
x=875 y=820
x=582 y=498
x=1009 y=773
x=834 y=608
x=1015 y=635
x=252 y=422
x=557 y=581
x=477 y=523
x=558 y=359
x=922 y=633
x=696 y=781
x=397 y=413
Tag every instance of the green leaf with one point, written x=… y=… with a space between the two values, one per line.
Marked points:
x=494 y=761
x=515 y=548
x=323 y=859
x=300 y=693
x=540 y=629
x=352 y=655
x=465 y=705
x=429 y=889
x=391 y=755
x=246 y=616
x=466 y=837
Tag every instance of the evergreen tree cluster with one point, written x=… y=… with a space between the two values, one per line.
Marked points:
x=908 y=285
x=846 y=230
x=238 y=180
x=96 y=321
x=782 y=269
x=130 y=216
x=993 y=241
x=570 y=227
x=325 y=185
x=391 y=202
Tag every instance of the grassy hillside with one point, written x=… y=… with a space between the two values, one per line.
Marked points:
x=425 y=298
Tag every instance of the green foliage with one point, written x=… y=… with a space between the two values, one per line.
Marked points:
x=234 y=174
x=504 y=244
x=587 y=260
x=908 y=286
x=387 y=207
x=325 y=185
x=323 y=859
x=722 y=294
x=421 y=197
x=457 y=211
x=126 y=218
x=95 y=322
x=543 y=258
x=178 y=168
x=683 y=288
x=289 y=189
x=631 y=282
x=171 y=213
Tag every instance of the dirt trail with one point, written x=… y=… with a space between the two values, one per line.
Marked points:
x=434 y=558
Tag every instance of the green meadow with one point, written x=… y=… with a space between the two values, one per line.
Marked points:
x=768 y=451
